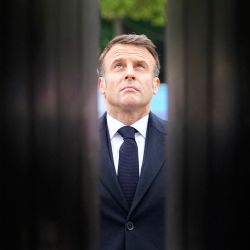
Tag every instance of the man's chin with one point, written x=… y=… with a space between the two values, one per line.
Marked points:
x=130 y=103
x=131 y=106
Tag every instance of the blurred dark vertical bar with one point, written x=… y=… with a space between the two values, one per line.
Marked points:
x=209 y=125
x=49 y=134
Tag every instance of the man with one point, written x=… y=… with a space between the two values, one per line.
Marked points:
x=132 y=197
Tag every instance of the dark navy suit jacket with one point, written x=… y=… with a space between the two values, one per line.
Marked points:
x=142 y=226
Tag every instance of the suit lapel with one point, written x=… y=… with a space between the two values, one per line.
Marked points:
x=154 y=158
x=108 y=175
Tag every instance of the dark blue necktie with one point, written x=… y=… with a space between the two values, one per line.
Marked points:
x=128 y=167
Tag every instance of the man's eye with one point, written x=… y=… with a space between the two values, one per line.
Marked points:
x=140 y=66
x=118 y=65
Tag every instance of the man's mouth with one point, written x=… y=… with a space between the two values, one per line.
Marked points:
x=130 y=89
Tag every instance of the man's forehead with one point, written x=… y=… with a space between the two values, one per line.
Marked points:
x=129 y=51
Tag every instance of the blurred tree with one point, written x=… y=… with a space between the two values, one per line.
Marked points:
x=139 y=10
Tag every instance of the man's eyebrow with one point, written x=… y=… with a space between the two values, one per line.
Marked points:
x=117 y=60
x=135 y=61
x=141 y=61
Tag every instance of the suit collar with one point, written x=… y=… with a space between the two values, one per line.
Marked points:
x=154 y=157
x=114 y=125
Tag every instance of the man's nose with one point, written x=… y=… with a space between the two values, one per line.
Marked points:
x=130 y=73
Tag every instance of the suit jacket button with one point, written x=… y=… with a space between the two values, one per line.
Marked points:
x=130 y=225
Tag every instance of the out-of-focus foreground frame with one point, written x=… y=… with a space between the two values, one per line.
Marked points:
x=209 y=129
x=49 y=125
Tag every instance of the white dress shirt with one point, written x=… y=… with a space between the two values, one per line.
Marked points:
x=117 y=140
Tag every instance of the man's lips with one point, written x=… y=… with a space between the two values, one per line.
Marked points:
x=129 y=88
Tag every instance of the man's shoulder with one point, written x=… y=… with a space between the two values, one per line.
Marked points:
x=158 y=123
x=102 y=121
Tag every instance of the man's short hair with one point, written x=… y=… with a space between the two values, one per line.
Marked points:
x=133 y=39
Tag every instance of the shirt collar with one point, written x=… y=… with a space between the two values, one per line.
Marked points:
x=114 y=125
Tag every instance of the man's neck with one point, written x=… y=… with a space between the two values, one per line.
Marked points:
x=128 y=117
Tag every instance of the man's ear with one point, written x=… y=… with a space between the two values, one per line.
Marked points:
x=101 y=85
x=156 y=82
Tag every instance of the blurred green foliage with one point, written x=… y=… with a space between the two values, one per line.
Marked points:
x=153 y=11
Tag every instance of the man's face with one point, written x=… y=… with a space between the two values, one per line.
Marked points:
x=128 y=82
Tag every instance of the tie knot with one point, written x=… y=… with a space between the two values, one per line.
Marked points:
x=127 y=132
